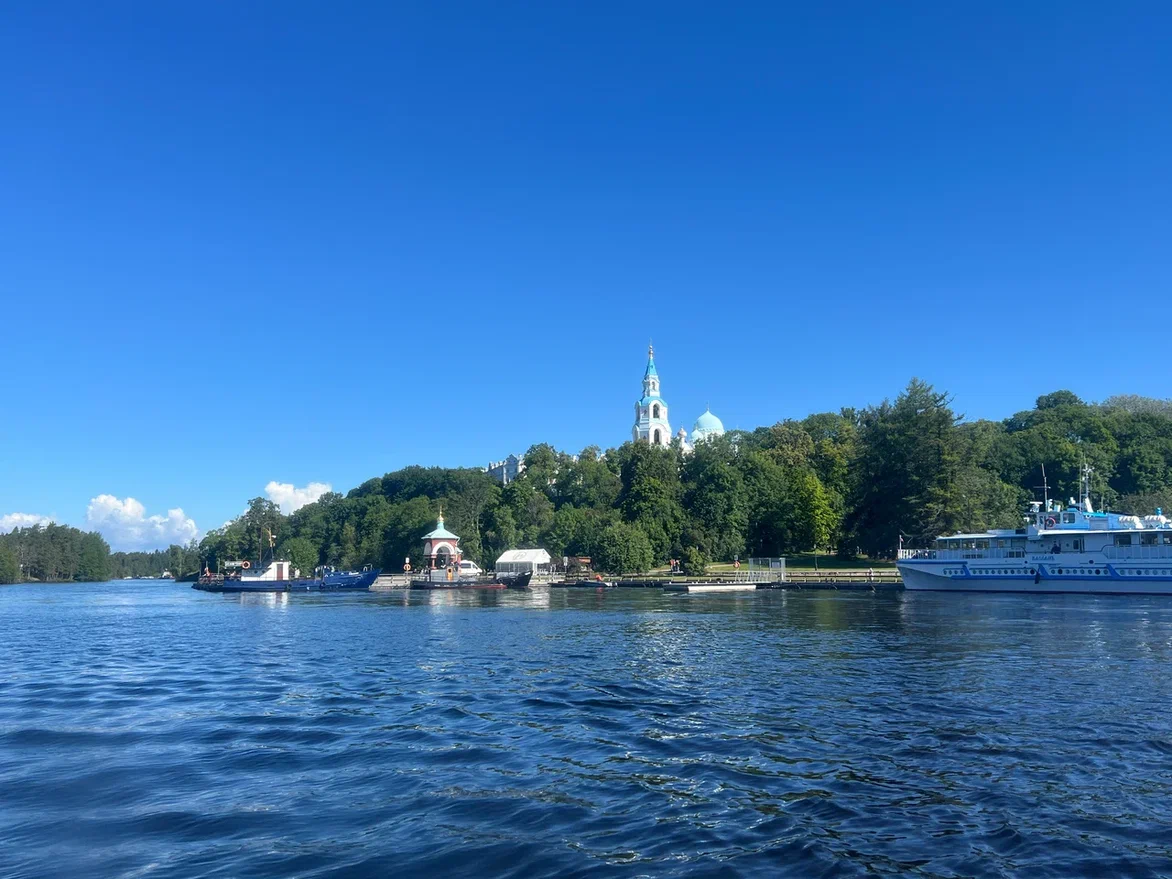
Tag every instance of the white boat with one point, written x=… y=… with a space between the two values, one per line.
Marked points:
x=1074 y=549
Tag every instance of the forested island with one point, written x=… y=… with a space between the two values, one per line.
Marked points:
x=854 y=482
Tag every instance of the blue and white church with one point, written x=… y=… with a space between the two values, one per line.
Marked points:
x=651 y=422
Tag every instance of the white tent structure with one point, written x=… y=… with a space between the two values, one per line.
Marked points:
x=517 y=561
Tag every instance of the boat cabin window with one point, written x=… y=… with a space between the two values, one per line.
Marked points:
x=1149 y=539
x=1072 y=545
x=1167 y=539
x=1123 y=540
x=1068 y=518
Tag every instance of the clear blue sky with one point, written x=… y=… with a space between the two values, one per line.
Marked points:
x=317 y=242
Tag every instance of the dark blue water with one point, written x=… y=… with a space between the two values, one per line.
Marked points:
x=150 y=730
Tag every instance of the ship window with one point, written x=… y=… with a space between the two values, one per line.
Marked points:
x=1123 y=540
x=1149 y=539
x=1167 y=539
x=1068 y=518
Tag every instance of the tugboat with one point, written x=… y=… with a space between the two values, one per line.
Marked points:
x=277 y=576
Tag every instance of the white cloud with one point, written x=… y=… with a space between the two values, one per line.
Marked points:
x=12 y=521
x=127 y=526
x=290 y=498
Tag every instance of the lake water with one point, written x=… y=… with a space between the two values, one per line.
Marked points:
x=151 y=730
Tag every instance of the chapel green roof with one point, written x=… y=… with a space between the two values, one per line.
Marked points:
x=440 y=532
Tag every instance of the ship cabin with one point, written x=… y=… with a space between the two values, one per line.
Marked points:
x=1052 y=530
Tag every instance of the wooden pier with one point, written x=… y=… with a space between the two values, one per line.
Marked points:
x=885 y=578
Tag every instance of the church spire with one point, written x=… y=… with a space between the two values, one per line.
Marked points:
x=651 y=424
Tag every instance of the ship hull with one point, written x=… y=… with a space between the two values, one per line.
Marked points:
x=350 y=580
x=1112 y=580
x=258 y=586
x=504 y=581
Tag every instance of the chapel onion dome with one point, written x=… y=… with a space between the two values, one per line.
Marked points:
x=706 y=426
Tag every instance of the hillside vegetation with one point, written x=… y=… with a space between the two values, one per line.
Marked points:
x=852 y=482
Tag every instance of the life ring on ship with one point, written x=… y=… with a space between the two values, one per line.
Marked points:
x=246 y=565
x=407 y=567
x=1051 y=521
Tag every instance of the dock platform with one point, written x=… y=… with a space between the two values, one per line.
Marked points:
x=727 y=586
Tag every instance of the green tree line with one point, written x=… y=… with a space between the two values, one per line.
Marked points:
x=53 y=552
x=853 y=482
x=179 y=560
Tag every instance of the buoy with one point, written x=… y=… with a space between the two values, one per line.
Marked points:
x=246 y=565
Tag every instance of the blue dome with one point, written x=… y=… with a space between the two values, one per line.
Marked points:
x=707 y=425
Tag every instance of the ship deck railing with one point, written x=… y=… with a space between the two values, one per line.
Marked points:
x=956 y=555
x=1137 y=552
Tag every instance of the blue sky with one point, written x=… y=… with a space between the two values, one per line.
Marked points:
x=310 y=242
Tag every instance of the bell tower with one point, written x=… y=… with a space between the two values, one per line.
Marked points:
x=651 y=424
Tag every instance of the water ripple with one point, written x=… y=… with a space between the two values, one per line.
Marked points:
x=151 y=730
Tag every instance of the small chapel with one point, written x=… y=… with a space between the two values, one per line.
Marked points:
x=651 y=421
x=441 y=547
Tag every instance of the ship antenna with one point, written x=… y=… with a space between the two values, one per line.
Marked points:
x=1087 y=470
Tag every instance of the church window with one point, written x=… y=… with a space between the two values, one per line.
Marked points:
x=655 y=411
x=657 y=429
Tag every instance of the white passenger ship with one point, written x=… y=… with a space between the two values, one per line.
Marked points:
x=1060 y=550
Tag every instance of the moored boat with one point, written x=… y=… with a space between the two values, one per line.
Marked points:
x=277 y=576
x=443 y=579
x=1071 y=549
x=363 y=579
x=597 y=583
